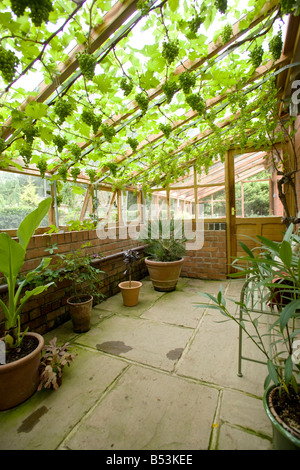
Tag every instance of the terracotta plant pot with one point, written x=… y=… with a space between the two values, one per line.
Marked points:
x=164 y=274
x=284 y=438
x=80 y=312
x=130 y=294
x=20 y=379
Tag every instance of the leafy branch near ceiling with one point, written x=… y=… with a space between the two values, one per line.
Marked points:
x=105 y=116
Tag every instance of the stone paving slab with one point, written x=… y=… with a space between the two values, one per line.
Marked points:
x=149 y=410
x=144 y=341
x=44 y=420
x=149 y=377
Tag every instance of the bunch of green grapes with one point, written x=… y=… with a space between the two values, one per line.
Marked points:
x=187 y=80
x=59 y=142
x=63 y=172
x=166 y=129
x=142 y=100
x=8 y=65
x=96 y=124
x=195 y=23
x=87 y=64
x=108 y=132
x=275 y=46
x=226 y=33
x=39 y=9
x=196 y=102
x=133 y=143
x=170 y=50
x=26 y=152
x=75 y=151
x=75 y=172
x=113 y=167
x=221 y=5
x=126 y=85
x=42 y=166
x=30 y=133
x=92 y=174
x=88 y=116
x=169 y=88
x=256 y=56
x=63 y=109
x=287 y=6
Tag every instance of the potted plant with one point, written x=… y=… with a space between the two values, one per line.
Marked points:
x=19 y=372
x=165 y=247
x=85 y=282
x=53 y=361
x=276 y=268
x=130 y=289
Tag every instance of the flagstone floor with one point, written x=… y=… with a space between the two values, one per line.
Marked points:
x=158 y=376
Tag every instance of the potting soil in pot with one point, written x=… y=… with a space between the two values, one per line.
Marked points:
x=28 y=345
x=288 y=408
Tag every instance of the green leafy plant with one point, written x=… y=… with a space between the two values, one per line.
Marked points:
x=53 y=361
x=12 y=257
x=275 y=269
x=164 y=240
x=77 y=268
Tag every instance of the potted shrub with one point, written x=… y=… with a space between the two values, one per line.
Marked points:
x=165 y=247
x=276 y=268
x=85 y=283
x=19 y=374
x=130 y=289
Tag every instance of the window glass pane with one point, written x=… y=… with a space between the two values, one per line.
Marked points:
x=19 y=195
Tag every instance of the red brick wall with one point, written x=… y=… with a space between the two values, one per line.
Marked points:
x=209 y=262
x=50 y=309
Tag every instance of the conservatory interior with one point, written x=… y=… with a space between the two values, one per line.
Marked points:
x=121 y=113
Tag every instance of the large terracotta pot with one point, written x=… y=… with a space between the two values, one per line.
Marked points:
x=81 y=313
x=130 y=294
x=284 y=438
x=164 y=274
x=20 y=379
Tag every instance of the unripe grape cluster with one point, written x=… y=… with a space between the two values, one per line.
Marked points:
x=87 y=64
x=90 y=118
x=75 y=172
x=170 y=51
x=142 y=100
x=42 y=166
x=92 y=174
x=195 y=23
x=39 y=9
x=108 y=132
x=63 y=172
x=113 y=167
x=169 y=88
x=133 y=143
x=221 y=5
x=256 y=56
x=26 y=152
x=75 y=151
x=226 y=33
x=59 y=142
x=166 y=129
x=275 y=46
x=126 y=85
x=63 y=109
x=187 y=80
x=8 y=64
x=30 y=133
x=196 y=102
